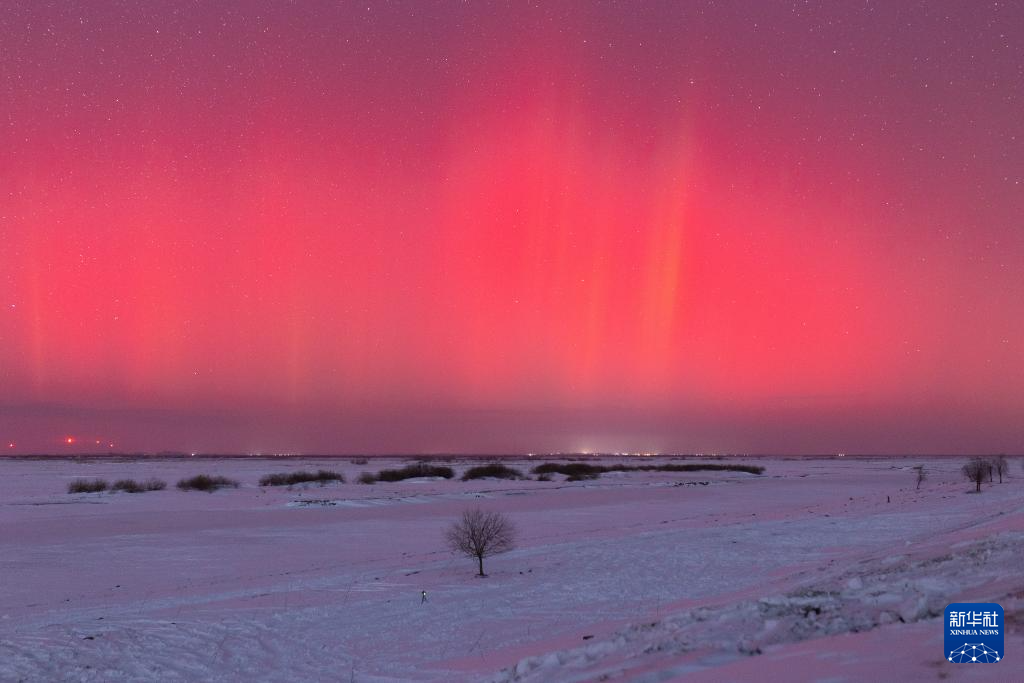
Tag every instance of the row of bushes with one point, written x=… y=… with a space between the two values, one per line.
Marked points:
x=301 y=477
x=125 y=485
x=496 y=471
x=420 y=469
x=132 y=486
x=575 y=471
x=579 y=470
x=205 y=482
x=202 y=482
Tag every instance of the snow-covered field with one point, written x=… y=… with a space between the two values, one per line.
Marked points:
x=830 y=569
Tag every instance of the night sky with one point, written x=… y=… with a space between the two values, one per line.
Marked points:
x=343 y=227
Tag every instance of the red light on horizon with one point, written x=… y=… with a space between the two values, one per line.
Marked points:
x=69 y=440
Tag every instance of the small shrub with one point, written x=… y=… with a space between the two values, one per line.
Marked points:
x=359 y=461
x=154 y=485
x=205 y=482
x=367 y=478
x=543 y=477
x=128 y=486
x=496 y=470
x=300 y=477
x=582 y=477
x=87 y=486
x=418 y=470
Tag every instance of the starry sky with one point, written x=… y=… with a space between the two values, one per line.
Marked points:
x=338 y=227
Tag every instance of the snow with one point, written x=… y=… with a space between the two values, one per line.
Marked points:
x=803 y=573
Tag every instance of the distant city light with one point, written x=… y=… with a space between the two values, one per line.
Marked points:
x=69 y=440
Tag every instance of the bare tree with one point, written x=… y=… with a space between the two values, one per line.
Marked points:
x=1001 y=466
x=922 y=474
x=480 y=534
x=975 y=470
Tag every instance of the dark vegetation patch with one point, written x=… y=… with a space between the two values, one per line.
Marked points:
x=702 y=467
x=205 y=482
x=87 y=486
x=579 y=471
x=573 y=469
x=132 y=486
x=496 y=470
x=582 y=477
x=420 y=469
x=127 y=486
x=367 y=478
x=300 y=477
